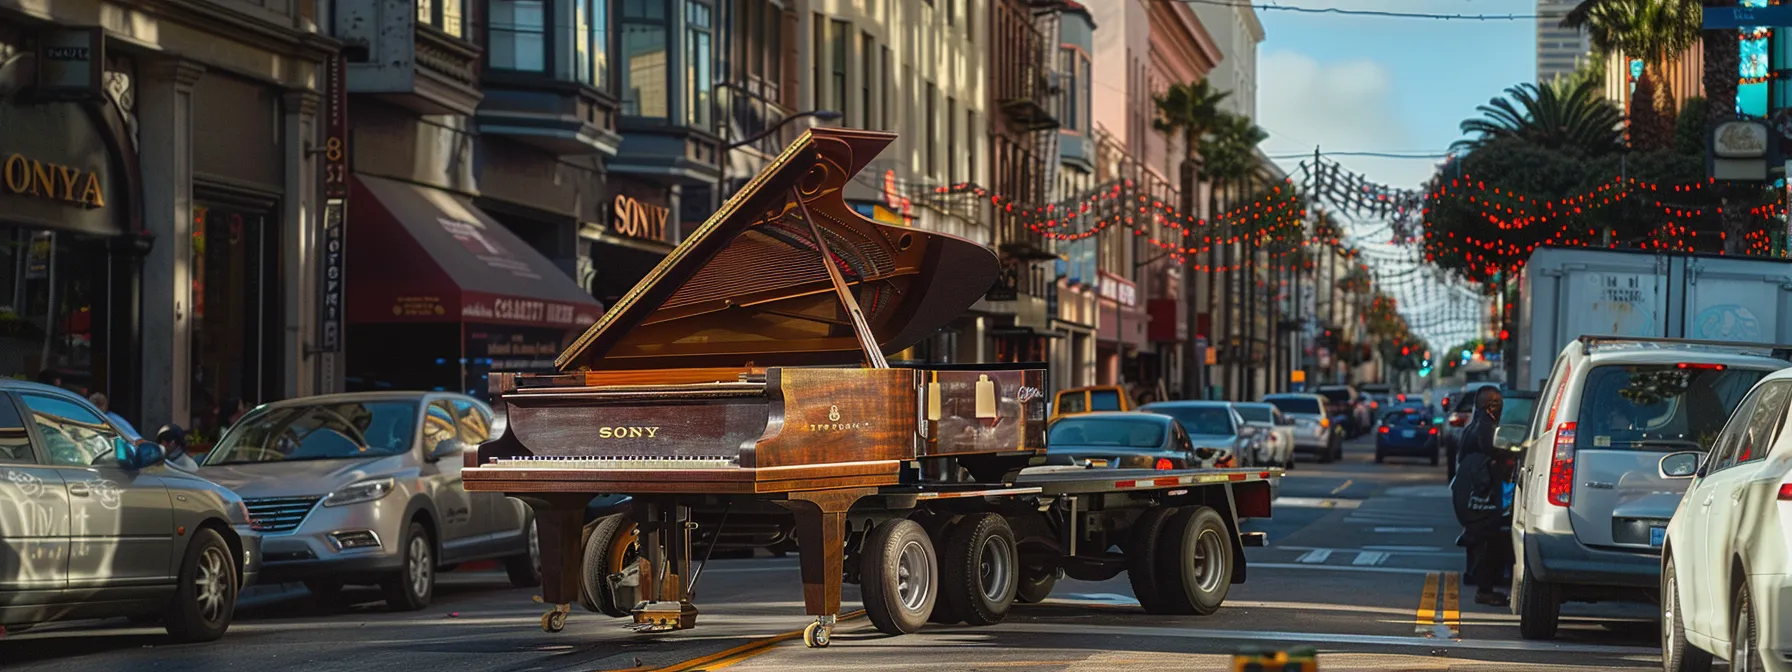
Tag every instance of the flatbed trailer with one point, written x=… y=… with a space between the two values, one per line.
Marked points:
x=949 y=552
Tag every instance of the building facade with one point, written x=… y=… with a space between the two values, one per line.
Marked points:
x=159 y=217
x=1078 y=280
x=1559 y=50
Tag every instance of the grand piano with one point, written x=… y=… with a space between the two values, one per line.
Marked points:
x=749 y=369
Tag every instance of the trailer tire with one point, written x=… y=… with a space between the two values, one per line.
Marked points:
x=610 y=548
x=981 y=565
x=1194 y=561
x=1035 y=585
x=1141 y=559
x=898 y=577
x=939 y=528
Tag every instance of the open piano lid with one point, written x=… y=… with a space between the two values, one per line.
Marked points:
x=749 y=287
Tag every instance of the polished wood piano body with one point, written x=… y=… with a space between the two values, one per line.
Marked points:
x=750 y=363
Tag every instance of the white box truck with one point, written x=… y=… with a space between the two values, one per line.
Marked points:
x=1569 y=292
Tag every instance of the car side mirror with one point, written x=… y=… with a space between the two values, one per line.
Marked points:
x=446 y=448
x=136 y=456
x=1680 y=465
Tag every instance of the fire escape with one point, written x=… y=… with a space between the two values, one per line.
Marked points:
x=1024 y=132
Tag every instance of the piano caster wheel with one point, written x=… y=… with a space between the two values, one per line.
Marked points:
x=816 y=635
x=555 y=620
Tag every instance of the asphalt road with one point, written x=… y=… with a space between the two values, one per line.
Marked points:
x=1361 y=564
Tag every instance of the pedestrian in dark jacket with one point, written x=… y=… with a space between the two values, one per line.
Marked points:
x=1479 y=493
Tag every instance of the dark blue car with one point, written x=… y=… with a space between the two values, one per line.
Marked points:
x=1407 y=431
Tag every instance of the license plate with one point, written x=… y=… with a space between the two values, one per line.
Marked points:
x=1657 y=535
x=1407 y=433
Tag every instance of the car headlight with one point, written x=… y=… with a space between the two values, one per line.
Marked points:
x=364 y=491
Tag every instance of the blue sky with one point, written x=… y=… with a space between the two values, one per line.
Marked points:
x=1348 y=83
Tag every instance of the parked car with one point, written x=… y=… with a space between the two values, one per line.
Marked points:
x=1095 y=398
x=1725 y=551
x=1343 y=407
x=1592 y=505
x=1114 y=440
x=70 y=472
x=1212 y=424
x=1406 y=431
x=1274 y=429
x=1313 y=429
x=365 y=488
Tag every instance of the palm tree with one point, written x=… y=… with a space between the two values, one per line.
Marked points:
x=1577 y=119
x=1656 y=31
x=1191 y=111
x=1723 y=69
x=1229 y=154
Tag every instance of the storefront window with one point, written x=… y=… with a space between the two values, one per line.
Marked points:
x=591 y=40
x=698 y=80
x=644 y=72
x=235 y=328
x=49 y=283
x=519 y=35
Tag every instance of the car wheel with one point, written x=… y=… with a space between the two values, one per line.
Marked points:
x=1745 y=649
x=525 y=568
x=412 y=587
x=1539 y=607
x=1676 y=654
x=205 y=597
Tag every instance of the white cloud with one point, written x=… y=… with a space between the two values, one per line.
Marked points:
x=1344 y=106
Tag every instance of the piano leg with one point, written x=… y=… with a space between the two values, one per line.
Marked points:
x=821 y=542
x=560 y=524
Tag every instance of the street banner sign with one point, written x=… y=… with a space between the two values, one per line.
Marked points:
x=1733 y=18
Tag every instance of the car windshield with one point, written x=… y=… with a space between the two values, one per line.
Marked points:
x=1202 y=420
x=1120 y=432
x=1517 y=410
x=1409 y=413
x=1661 y=407
x=1306 y=405
x=1337 y=395
x=1256 y=413
x=319 y=432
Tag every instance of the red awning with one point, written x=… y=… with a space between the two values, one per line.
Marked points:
x=420 y=254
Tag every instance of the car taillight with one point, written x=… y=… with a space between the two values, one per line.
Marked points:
x=1458 y=419
x=1325 y=422
x=1164 y=464
x=1694 y=365
x=1384 y=429
x=1374 y=404
x=1786 y=492
x=1434 y=431
x=1561 y=466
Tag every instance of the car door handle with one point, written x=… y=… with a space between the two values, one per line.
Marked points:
x=78 y=490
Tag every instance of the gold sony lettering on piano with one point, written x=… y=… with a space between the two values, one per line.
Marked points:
x=621 y=432
x=68 y=184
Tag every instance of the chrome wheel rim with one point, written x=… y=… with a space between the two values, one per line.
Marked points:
x=1667 y=618
x=535 y=546
x=1209 y=560
x=914 y=576
x=995 y=568
x=212 y=584
x=419 y=566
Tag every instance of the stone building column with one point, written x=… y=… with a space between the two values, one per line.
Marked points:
x=165 y=129
x=300 y=216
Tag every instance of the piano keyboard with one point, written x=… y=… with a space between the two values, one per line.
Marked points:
x=615 y=462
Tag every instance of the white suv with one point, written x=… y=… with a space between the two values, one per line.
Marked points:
x=1592 y=507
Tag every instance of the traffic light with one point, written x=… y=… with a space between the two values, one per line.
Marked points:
x=1405 y=352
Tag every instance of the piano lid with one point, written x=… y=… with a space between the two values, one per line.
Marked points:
x=749 y=286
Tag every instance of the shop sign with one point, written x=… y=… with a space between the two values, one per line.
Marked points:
x=639 y=220
x=21 y=175
x=331 y=279
x=37 y=257
x=1119 y=290
x=335 y=128
x=531 y=311
x=71 y=61
x=1740 y=140
x=418 y=306
x=895 y=199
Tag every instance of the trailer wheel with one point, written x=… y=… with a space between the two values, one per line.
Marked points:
x=1036 y=584
x=1141 y=554
x=981 y=568
x=897 y=573
x=939 y=528
x=1194 y=561
x=612 y=548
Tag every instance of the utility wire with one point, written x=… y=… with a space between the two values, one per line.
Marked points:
x=1369 y=12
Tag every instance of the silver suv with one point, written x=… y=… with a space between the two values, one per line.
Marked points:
x=93 y=524
x=1592 y=508
x=365 y=488
x=1313 y=429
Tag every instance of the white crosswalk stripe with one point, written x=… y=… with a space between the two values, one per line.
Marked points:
x=1315 y=557
x=1370 y=558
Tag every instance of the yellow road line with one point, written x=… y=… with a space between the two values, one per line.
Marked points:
x=1425 y=617
x=719 y=660
x=1452 y=616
